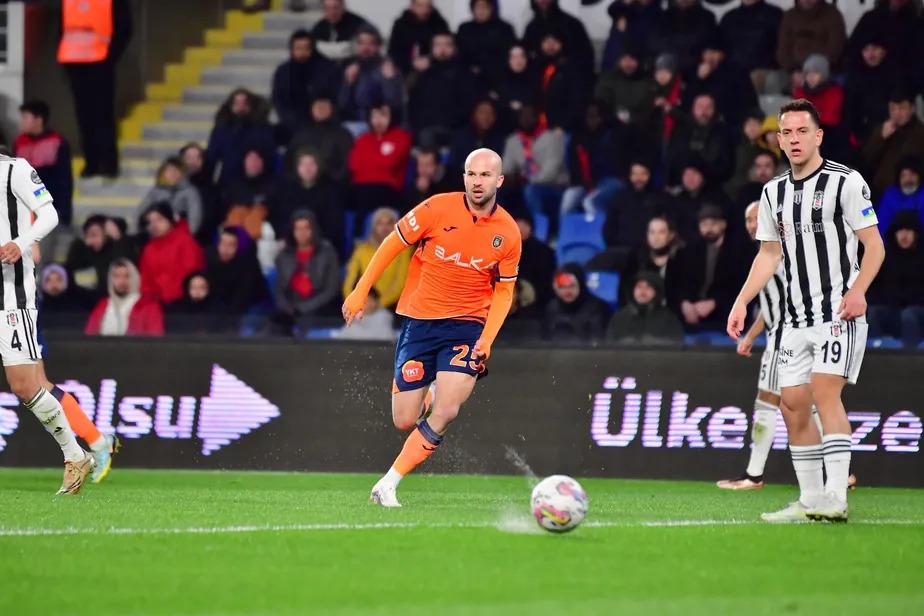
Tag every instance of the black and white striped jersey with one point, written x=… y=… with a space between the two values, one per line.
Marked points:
x=816 y=220
x=772 y=301
x=23 y=192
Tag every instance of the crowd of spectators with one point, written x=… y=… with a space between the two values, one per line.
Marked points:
x=266 y=227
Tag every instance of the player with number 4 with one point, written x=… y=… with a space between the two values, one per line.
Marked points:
x=28 y=217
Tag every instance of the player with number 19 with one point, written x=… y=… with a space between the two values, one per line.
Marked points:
x=811 y=219
x=28 y=216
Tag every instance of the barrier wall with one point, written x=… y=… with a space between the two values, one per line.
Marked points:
x=325 y=407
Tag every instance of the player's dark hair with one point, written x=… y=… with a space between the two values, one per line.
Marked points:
x=192 y=145
x=801 y=104
x=5 y=151
x=429 y=152
x=370 y=30
x=770 y=153
x=119 y=222
x=705 y=93
x=381 y=106
x=300 y=35
x=38 y=108
x=171 y=161
x=901 y=95
x=96 y=220
x=667 y=220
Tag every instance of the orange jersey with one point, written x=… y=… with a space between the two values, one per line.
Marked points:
x=459 y=257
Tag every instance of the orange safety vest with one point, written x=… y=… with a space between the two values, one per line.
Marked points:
x=87 y=31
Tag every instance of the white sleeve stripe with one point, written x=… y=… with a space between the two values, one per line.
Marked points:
x=506 y=278
x=401 y=235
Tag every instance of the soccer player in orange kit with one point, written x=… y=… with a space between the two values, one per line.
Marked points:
x=458 y=292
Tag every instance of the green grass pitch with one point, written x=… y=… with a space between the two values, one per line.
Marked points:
x=185 y=543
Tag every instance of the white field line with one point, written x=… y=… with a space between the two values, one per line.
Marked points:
x=220 y=530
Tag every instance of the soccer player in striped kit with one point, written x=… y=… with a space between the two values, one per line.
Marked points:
x=812 y=219
x=772 y=304
x=27 y=218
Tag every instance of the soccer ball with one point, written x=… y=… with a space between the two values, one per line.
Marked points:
x=559 y=503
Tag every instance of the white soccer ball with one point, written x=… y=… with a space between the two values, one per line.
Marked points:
x=559 y=503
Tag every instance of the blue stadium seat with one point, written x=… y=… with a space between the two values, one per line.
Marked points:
x=280 y=163
x=349 y=221
x=367 y=226
x=580 y=237
x=709 y=339
x=578 y=254
x=322 y=333
x=271 y=280
x=604 y=285
x=884 y=343
x=721 y=339
x=541 y=227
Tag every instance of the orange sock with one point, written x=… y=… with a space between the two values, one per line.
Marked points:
x=80 y=423
x=419 y=446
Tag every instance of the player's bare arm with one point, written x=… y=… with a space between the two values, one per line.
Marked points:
x=746 y=344
x=853 y=303
x=765 y=264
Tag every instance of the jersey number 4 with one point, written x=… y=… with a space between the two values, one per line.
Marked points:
x=15 y=344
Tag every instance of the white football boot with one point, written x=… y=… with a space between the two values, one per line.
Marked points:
x=385 y=494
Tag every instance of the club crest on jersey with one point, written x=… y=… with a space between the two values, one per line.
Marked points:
x=12 y=319
x=835 y=329
x=497 y=241
x=819 y=200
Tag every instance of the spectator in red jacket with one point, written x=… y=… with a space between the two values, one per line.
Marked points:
x=378 y=163
x=828 y=97
x=124 y=312
x=170 y=256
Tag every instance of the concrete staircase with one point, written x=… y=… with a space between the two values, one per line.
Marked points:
x=245 y=52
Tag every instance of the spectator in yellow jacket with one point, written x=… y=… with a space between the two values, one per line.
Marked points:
x=391 y=283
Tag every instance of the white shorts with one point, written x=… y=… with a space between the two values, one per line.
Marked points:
x=18 y=344
x=827 y=348
x=769 y=370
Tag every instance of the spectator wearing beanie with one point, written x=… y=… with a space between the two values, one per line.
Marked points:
x=871 y=78
x=548 y=17
x=899 y=24
x=667 y=92
x=825 y=94
x=576 y=315
x=565 y=85
x=626 y=89
x=169 y=256
x=412 y=35
x=297 y=81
